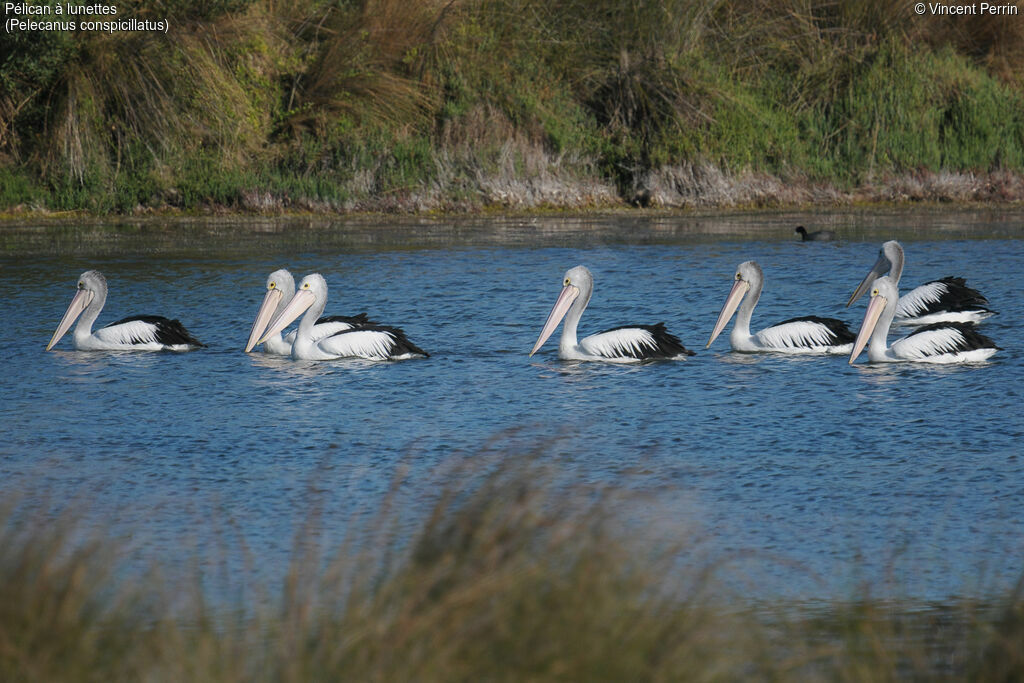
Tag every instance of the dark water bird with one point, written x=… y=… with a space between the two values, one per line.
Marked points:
x=945 y=300
x=370 y=342
x=816 y=236
x=627 y=344
x=807 y=334
x=280 y=290
x=134 y=333
x=944 y=342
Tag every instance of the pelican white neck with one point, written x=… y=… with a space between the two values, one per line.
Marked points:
x=750 y=274
x=280 y=290
x=580 y=282
x=85 y=307
x=745 y=293
x=893 y=253
x=311 y=299
x=878 y=318
x=577 y=287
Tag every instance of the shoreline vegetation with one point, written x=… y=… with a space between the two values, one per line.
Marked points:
x=463 y=106
x=510 y=575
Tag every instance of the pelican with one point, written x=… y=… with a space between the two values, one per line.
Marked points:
x=808 y=334
x=952 y=342
x=816 y=236
x=628 y=344
x=372 y=342
x=945 y=300
x=135 y=333
x=280 y=290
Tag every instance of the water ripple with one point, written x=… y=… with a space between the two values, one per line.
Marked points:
x=843 y=470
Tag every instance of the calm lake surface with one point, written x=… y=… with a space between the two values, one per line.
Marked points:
x=810 y=477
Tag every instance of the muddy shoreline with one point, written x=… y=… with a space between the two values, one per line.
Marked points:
x=686 y=189
x=226 y=234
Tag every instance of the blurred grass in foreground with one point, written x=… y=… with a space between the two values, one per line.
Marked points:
x=511 y=576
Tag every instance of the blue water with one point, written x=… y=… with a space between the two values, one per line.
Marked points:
x=808 y=476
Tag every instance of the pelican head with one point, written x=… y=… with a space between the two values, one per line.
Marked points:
x=884 y=296
x=748 y=276
x=577 y=285
x=280 y=289
x=890 y=260
x=92 y=287
x=312 y=290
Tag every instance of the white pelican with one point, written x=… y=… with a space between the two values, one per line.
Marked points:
x=953 y=342
x=280 y=290
x=808 y=334
x=816 y=236
x=135 y=333
x=372 y=342
x=628 y=344
x=945 y=300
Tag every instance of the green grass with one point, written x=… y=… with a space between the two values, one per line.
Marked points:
x=513 y=574
x=403 y=104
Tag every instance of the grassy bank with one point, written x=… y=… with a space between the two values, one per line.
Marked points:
x=510 y=576
x=386 y=105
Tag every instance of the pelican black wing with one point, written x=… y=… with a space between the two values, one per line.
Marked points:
x=165 y=331
x=835 y=329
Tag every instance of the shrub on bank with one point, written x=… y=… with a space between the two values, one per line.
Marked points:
x=434 y=103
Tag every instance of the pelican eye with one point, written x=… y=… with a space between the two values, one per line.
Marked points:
x=272 y=285
x=738 y=276
x=81 y=285
x=305 y=286
x=566 y=282
x=874 y=292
